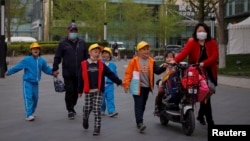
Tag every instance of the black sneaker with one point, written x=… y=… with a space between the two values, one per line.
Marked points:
x=71 y=115
x=141 y=127
x=201 y=120
x=74 y=111
x=96 y=132
x=85 y=123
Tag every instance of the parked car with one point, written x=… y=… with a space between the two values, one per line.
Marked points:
x=173 y=48
x=21 y=39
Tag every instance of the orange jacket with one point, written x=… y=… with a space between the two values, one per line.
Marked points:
x=134 y=65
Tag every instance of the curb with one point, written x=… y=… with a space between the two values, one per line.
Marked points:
x=234 y=81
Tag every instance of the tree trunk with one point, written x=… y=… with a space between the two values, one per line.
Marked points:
x=222 y=55
x=222 y=46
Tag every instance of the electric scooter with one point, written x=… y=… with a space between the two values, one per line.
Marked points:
x=181 y=110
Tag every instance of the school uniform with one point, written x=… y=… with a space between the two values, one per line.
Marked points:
x=32 y=75
x=92 y=82
x=108 y=94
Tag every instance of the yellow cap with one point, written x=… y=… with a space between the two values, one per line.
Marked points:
x=34 y=45
x=142 y=44
x=93 y=46
x=108 y=50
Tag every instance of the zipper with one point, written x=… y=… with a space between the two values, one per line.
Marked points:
x=37 y=68
x=77 y=46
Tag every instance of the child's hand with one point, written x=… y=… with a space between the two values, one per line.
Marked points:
x=122 y=84
x=55 y=73
x=172 y=61
x=201 y=64
x=126 y=90
x=164 y=65
x=79 y=94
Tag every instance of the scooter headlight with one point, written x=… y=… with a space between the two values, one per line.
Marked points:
x=192 y=91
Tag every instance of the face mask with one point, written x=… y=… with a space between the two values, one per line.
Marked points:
x=105 y=59
x=72 y=36
x=201 y=35
x=93 y=58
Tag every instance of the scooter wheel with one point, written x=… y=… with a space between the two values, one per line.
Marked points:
x=189 y=123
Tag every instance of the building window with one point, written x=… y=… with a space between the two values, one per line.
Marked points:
x=239 y=6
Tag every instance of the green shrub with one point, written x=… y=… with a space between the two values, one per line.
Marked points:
x=22 y=48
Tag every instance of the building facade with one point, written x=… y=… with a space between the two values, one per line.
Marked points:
x=235 y=12
x=40 y=9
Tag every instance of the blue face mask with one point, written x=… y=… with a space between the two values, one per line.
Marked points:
x=72 y=36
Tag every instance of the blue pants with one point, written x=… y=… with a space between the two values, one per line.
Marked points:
x=140 y=104
x=30 y=96
x=108 y=99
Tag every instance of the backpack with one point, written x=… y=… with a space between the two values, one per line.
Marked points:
x=191 y=77
x=194 y=81
x=172 y=87
x=203 y=91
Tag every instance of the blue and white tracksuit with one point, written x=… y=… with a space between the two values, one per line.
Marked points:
x=32 y=75
x=108 y=94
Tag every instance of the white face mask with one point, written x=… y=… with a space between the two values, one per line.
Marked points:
x=201 y=35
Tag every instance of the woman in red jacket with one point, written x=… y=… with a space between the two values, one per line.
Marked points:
x=202 y=49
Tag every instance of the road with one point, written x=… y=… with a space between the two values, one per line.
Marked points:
x=230 y=106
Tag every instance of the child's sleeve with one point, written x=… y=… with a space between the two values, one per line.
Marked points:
x=19 y=66
x=128 y=74
x=111 y=75
x=157 y=69
x=46 y=68
x=80 y=81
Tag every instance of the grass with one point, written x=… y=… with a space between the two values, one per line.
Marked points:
x=237 y=65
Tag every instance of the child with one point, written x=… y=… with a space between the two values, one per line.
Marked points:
x=167 y=57
x=108 y=95
x=91 y=81
x=32 y=65
x=139 y=80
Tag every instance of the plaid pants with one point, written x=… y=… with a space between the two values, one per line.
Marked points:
x=93 y=102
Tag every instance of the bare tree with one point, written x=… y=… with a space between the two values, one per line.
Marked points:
x=203 y=8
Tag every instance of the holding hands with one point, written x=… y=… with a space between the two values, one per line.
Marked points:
x=55 y=73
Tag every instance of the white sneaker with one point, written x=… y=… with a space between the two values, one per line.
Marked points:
x=30 y=118
x=113 y=114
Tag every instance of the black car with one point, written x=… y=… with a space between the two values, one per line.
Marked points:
x=173 y=48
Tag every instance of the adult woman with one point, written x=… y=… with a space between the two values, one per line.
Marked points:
x=202 y=49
